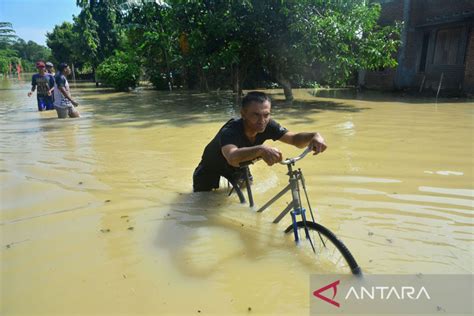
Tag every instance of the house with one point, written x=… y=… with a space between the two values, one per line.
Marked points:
x=437 y=48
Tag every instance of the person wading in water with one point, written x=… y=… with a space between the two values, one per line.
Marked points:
x=242 y=140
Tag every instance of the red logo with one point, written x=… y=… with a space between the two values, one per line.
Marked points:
x=333 y=285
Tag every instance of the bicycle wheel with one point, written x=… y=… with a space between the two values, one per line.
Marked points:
x=328 y=248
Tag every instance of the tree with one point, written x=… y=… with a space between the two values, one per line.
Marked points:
x=14 y=50
x=31 y=51
x=345 y=36
x=99 y=28
x=7 y=34
x=222 y=43
x=283 y=38
x=220 y=38
x=151 y=31
x=63 y=41
x=281 y=51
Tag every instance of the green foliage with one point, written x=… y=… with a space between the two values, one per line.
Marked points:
x=151 y=29
x=121 y=71
x=30 y=52
x=282 y=39
x=99 y=29
x=93 y=36
x=7 y=58
x=6 y=53
x=4 y=65
x=63 y=41
x=221 y=39
x=345 y=37
x=7 y=34
x=233 y=43
x=14 y=51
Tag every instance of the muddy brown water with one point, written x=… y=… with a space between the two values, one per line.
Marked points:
x=98 y=218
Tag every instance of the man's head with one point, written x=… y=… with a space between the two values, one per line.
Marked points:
x=64 y=69
x=49 y=66
x=40 y=66
x=255 y=111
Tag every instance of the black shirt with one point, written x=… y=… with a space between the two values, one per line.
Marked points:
x=233 y=133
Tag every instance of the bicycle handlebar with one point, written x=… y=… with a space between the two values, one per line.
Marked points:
x=284 y=162
x=295 y=159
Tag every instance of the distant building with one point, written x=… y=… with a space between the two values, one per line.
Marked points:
x=437 y=41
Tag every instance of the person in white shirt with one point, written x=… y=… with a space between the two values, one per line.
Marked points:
x=63 y=101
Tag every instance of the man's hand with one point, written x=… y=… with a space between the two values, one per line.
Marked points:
x=30 y=93
x=317 y=144
x=74 y=103
x=271 y=155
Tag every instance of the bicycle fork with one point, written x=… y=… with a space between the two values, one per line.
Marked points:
x=295 y=178
x=299 y=211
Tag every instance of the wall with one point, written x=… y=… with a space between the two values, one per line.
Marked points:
x=469 y=73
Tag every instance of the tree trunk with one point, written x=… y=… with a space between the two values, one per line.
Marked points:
x=73 y=73
x=203 y=85
x=242 y=77
x=361 y=78
x=285 y=83
x=235 y=74
x=95 y=77
x=186 y=80
x=239 y=72
x=282 y=80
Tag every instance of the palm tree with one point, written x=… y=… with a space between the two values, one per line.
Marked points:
x=7 y=34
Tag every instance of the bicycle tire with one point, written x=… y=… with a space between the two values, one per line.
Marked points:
x=330 y=236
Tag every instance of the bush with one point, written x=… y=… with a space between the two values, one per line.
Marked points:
x=158 y=79
x=121 y=71
x=4 y=65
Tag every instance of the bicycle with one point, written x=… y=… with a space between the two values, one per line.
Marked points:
x=319 y=237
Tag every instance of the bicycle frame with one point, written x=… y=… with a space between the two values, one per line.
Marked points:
x=295 y=208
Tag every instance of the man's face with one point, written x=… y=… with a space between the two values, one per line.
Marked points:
x=256 y=116
x=67 y=71
x=41 y=70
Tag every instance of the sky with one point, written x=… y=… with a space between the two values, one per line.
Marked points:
x=32 y=19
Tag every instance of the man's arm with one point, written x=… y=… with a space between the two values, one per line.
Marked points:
x=51 y=85
x=67 y=95
x=300 y=140
x=235 y=155
x=33 y=86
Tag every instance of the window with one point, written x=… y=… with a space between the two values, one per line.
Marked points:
x=424 y=52
x=447 y=47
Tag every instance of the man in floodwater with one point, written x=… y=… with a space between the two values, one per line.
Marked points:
x=63 y=101
x=44 y=83
x=242 y=140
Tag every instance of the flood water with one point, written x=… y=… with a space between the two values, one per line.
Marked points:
x=98 y=218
